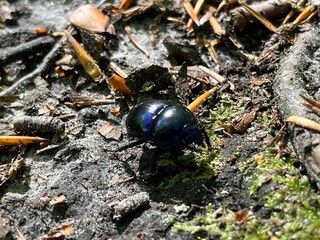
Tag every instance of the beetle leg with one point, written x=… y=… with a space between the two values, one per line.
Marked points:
x=176 y=152
x=206 y=137
x=153 y=160
x=128 y=145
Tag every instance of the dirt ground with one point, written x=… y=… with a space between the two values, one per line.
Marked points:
x=247 y=186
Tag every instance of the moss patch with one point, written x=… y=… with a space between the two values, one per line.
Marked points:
x=197 y=166
x=293 y=205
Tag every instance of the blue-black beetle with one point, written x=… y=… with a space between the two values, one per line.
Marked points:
x=165 y=123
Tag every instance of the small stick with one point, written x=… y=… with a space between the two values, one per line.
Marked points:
x=304 y=122
x=307 y=13
x=17 y=140
x=187 y=5
x=197 y=9
x=12 y=53
x=213 y=74
x=40 y=70
x=196 y=103
x=258 y=16
x=85 y=59
x=310 y=101
x=134 y=41
x=118 y=70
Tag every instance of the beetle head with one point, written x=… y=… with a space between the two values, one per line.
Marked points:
x=192 y=135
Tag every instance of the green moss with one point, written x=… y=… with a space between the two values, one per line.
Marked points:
x=204 y=165
x=223 y=112
x=166 y=161
x=224 y=227
x=236 y=154
x=294 y=206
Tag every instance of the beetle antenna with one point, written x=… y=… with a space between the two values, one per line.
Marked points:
x=128 y=145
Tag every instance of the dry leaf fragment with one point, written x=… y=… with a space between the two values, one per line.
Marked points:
x=125 y=4
x=259 y=82
x=58 y=233
x=213 y=54
x=176 y=20
x=304 y=122
x=127 y=179
x=86 y=60
x=89 y=18
x=115 y=111
x=110 y=131
x=118 y=70
x=260 y=159
x=17 y=140
x=243 y=122
x=86 y=101
x=119 y=84
x=47 y=148
x=58 y=200
x=310 y=101
x=136 y=10
x=7 y=171
x=279 y=136
x=242 y=216
x=205 y=18
x=46 y=109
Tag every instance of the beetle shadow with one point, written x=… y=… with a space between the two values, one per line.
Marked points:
x=178 y=179
x=170 y=175
x=175 y=176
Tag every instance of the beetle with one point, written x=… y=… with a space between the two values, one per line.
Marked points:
x=165 y=124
